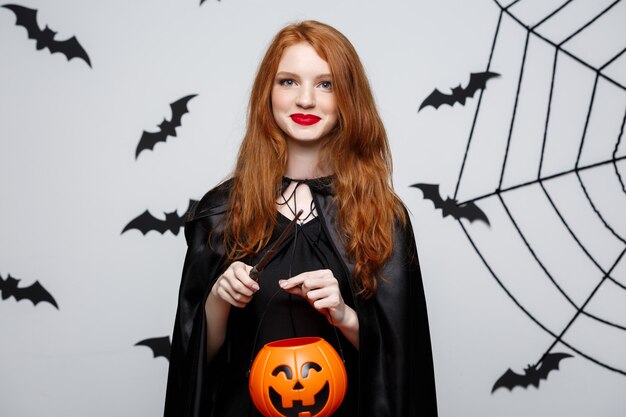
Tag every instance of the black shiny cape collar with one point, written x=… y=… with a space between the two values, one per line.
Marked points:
x=207 y=205
x=320 y=185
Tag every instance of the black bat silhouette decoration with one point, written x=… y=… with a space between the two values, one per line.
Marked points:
x=167 y=127
x=160 y=346
x=451 y=207
x=27 y=18
x=146 y=222
x=202 y=1
x=34 y=292
x=478 y=81
x=532 y=375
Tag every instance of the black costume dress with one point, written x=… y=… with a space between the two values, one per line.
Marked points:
x=390 y=375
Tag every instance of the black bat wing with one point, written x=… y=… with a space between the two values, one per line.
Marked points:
x=550 y=362
x=71 y=48
x=168 y=127
x=160 y=346
x=469 y=211
x=436 y=99
x=34 y=292
x=478 y=81
x=148 y=140
x=179 y=109
x=26 y=18
x=146 y=222
x=533 y=374
x=510 y=380
x=431 y=192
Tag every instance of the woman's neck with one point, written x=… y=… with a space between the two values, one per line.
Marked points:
x=303 y=162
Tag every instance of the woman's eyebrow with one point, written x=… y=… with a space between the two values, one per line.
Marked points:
x=293 y=75
x=286 y=74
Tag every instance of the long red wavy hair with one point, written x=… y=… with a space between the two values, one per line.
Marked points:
x=357 y=152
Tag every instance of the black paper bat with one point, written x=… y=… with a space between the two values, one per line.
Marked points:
x=27 y=18
x=160 y=346
x=146 y=222
x=451 y=207
x=167 y=127
x=533 y=374
x=478 y=81
x=34 y=292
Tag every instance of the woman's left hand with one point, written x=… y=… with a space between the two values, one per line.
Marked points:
x=321 y=289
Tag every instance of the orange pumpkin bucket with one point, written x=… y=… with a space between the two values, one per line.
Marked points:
x=297 y=377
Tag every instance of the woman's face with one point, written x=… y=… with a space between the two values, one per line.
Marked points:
x=303 y=101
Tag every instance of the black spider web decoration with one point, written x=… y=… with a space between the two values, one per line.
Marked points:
x=550 y=177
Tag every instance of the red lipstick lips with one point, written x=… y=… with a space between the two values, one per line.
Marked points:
x=305 y=119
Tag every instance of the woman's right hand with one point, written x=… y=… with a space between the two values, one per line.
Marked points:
x=235 y=286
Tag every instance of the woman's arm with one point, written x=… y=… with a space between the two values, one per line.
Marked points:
x=233 y=288
x=216 y=311
x=349 y=326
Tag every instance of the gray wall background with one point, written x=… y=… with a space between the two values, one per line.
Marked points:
x=69 y=183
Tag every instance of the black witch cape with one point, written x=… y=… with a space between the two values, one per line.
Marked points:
x=395 y=355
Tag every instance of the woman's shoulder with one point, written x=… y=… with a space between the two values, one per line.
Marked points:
x=213 y=202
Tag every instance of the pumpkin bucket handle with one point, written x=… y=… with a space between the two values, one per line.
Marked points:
x=256 y=335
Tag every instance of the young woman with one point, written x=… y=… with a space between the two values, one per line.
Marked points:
x=349 y=270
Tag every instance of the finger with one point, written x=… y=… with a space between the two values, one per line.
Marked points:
x=326 y=303
x=232 y=288
x=242 y=273
x=320 y=293
x=294 y=282
x=320 y=288
x=310 y=277
x=322 y=304
x=239 y=287
x=242 y=266
x=226 y=296
x=230 y=279
x=329 y=296
x=297 y=290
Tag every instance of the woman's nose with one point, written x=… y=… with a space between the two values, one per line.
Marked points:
x=306 y=97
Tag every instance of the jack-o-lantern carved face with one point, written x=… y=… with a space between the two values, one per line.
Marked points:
x=292 y=394
x=300 y=377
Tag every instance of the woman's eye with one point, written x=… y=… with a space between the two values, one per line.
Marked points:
x=327 y=85
x=286 y=82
